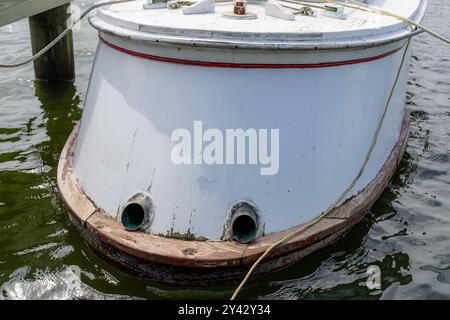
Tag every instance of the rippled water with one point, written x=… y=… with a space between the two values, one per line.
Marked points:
x=406 y=234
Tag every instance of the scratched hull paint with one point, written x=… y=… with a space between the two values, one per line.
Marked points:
x=326 y=105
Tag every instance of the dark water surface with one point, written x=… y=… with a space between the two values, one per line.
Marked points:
x=406 y=234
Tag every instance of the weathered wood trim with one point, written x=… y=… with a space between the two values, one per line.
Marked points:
x=178 y=261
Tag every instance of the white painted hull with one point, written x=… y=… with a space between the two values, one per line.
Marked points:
x=326 y=105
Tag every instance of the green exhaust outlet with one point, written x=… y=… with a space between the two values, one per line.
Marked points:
x=137 y=212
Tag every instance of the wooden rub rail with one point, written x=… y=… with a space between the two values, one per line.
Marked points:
x=200 y=262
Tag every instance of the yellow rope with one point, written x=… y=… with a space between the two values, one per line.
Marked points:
x=342 y=196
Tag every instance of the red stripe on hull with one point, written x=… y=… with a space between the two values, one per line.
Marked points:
x=249 y=65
